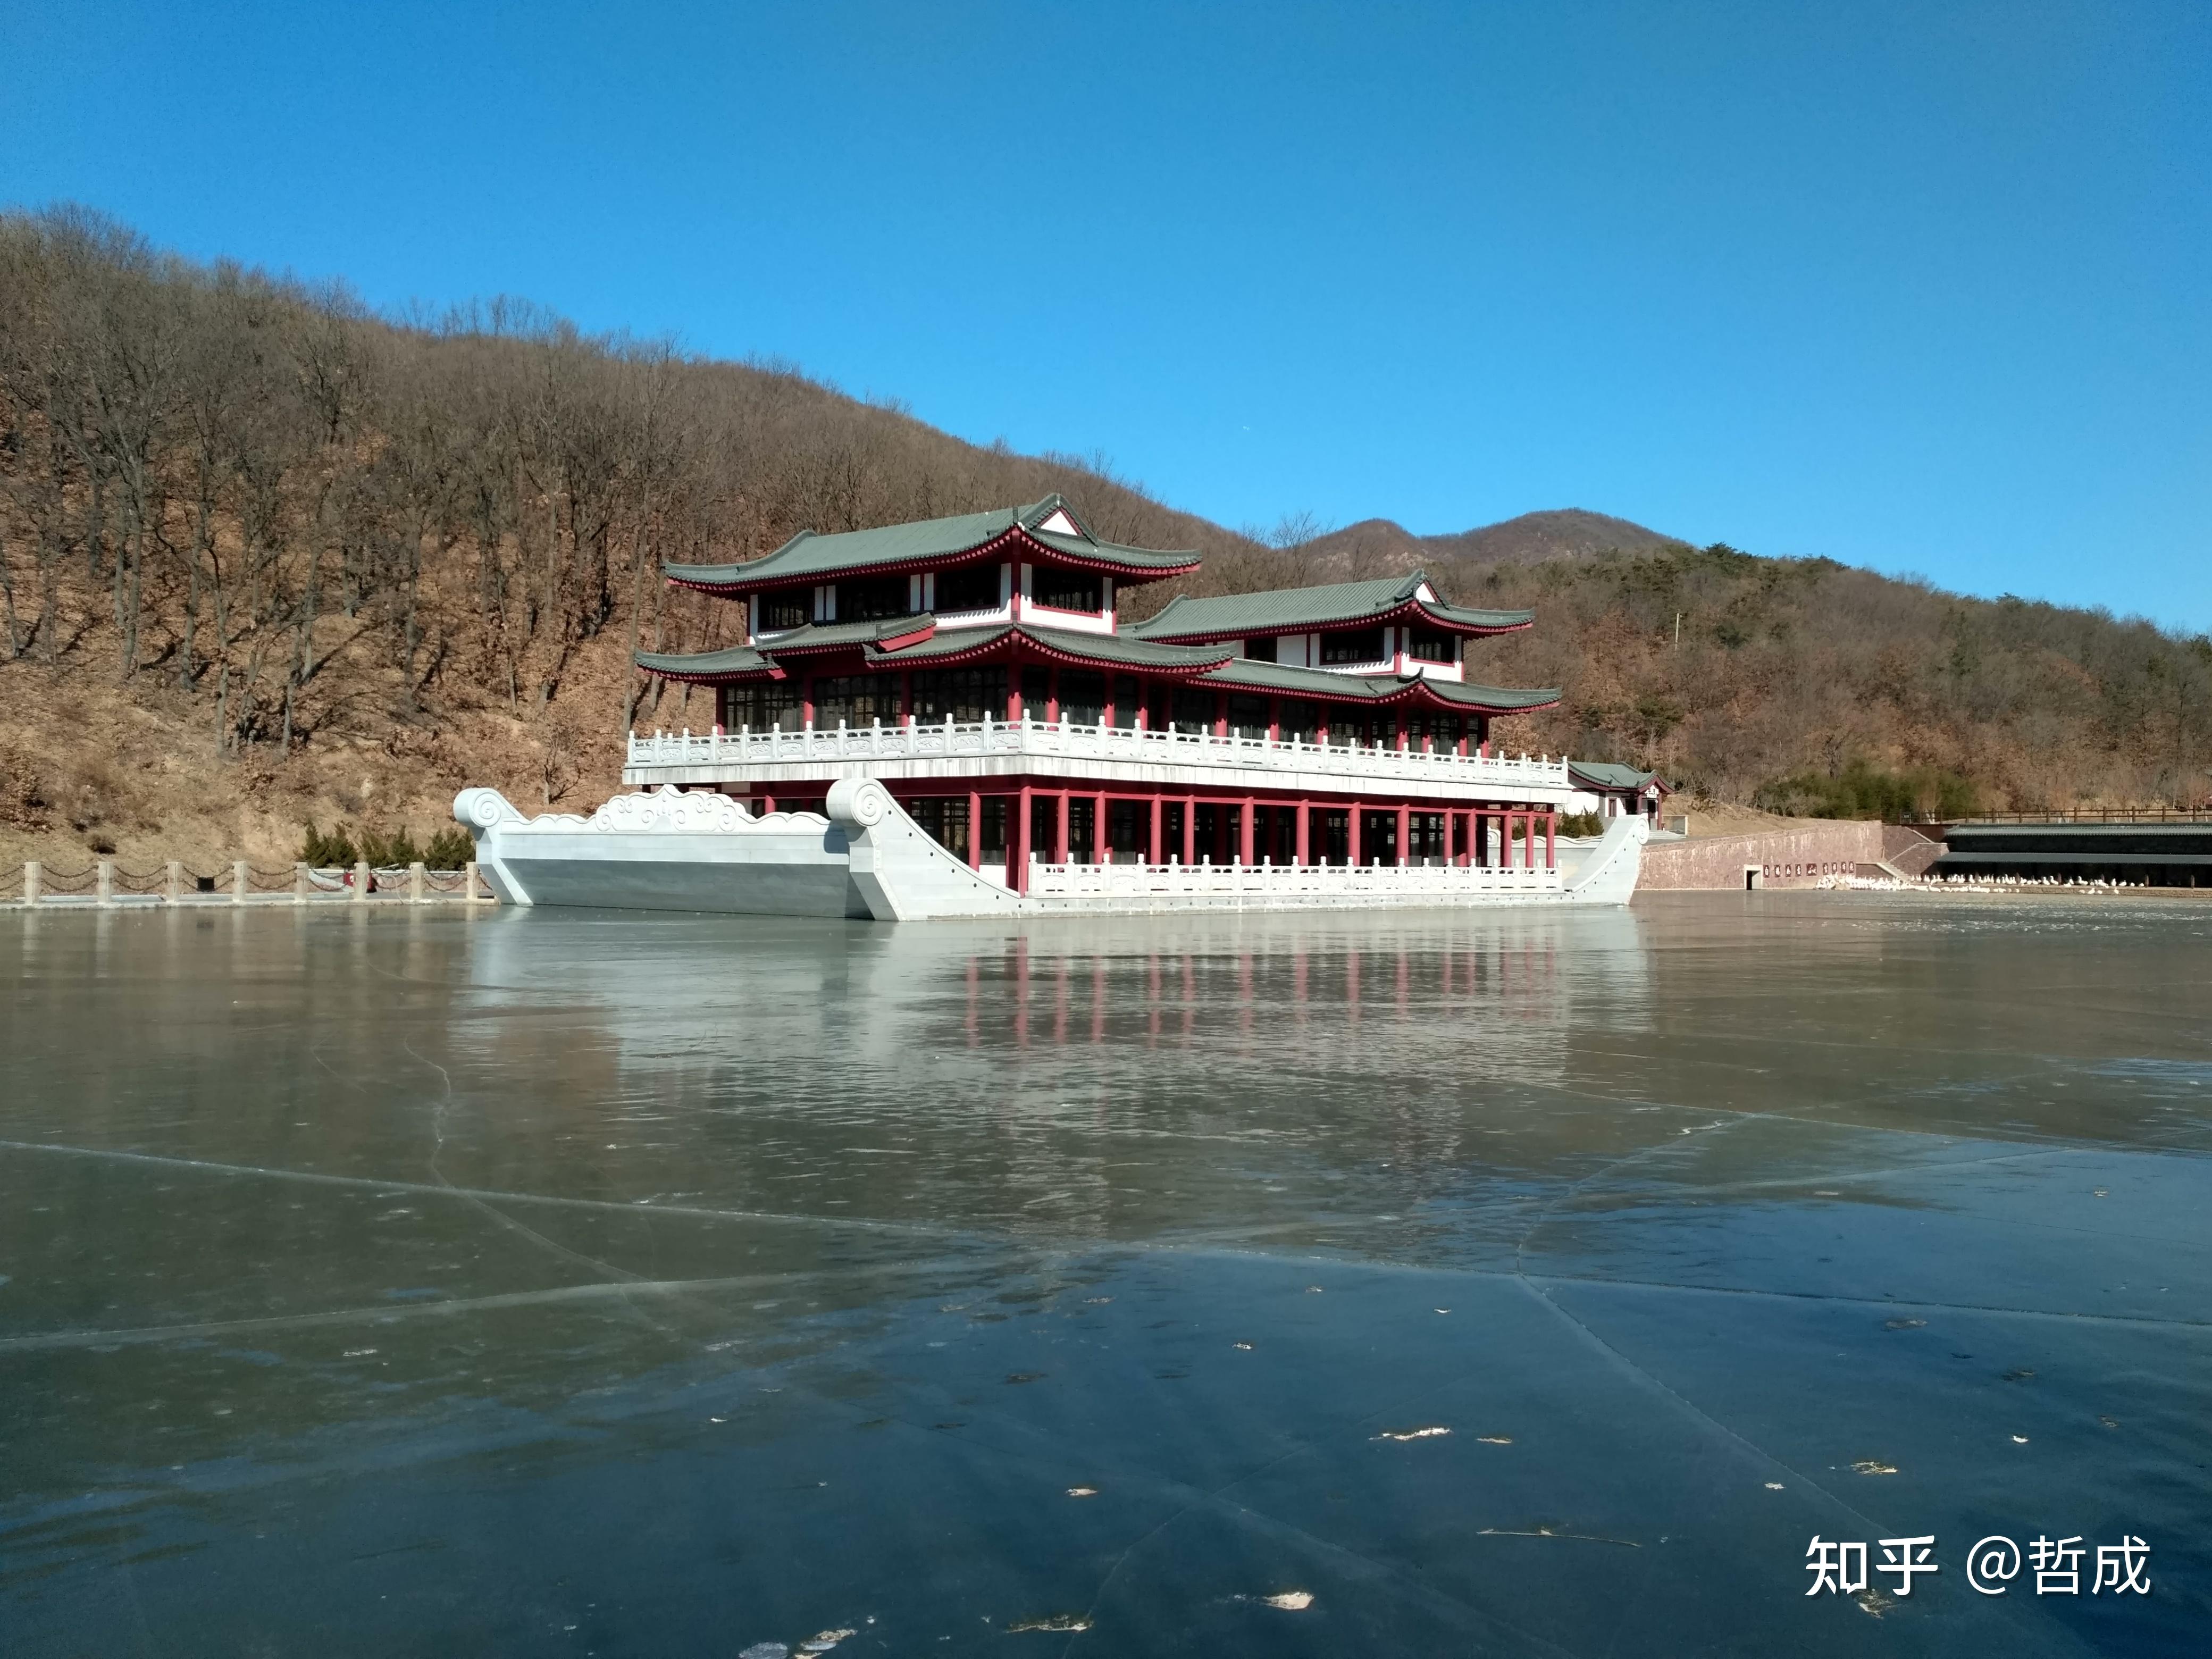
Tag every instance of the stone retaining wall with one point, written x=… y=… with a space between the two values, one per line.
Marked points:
x=1784 y=858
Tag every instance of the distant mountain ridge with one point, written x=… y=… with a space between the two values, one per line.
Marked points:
x=1376 y=545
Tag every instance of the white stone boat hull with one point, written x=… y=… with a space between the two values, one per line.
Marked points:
x=667 y=849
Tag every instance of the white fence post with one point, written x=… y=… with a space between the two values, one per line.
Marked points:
x=303 y=883
x=361 y=878
x=33 y=878
x=240 y=882
x=105 y=890
x=470 y=880
x=418 y=882
x=176 y=880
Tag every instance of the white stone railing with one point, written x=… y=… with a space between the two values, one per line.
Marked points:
x=1026 y=736
x=1285 y=880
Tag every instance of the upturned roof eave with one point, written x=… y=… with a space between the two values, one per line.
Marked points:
x=1132 y=566
x=1471 y=624
x=1057 y=644
x=1372 y=602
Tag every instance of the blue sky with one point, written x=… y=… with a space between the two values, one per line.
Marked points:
x=1922 y=288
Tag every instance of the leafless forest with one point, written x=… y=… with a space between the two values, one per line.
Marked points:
x=267 y=557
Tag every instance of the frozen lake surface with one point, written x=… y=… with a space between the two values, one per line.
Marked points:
x=608 y=1284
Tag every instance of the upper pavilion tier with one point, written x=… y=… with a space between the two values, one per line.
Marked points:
x=1286 y=611
x=1031 y=588
x=1046 y=533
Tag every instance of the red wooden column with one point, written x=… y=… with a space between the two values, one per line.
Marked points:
x=1098 y=829
x=1306 y=817
x=1404 y=835
x=1245 y=848
x=1552 y=839
x=1189 y=829
x=1155 y=852
x=1060 y=830
x=1017 y=843
x=974 y=830
x=1351 y=844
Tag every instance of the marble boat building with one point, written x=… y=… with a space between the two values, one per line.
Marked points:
x=950 y=718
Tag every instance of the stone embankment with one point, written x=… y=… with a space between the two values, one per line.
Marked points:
x=108 y=885
x=1801 y=855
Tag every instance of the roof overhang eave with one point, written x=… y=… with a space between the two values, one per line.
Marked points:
x=1364 y=618
x=748 y=580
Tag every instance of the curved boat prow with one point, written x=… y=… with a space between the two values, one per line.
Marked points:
x=900 y=871
x=1608 y=875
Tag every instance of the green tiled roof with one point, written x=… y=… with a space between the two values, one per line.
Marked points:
x=1284 y=609
x=1284 y=680
x=1609 y=774
x=826 y=636
x=807 y=557
x=737 y=660
x=1116 y=648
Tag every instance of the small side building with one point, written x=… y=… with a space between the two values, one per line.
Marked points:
x=1613 y=791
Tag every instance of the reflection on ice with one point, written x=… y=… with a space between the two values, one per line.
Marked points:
x=675 y=1274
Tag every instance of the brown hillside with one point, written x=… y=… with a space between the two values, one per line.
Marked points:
x=1374 y=546
x=266 y=559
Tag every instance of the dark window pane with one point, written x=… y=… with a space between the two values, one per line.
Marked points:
x=1066 y=590
x=1301 y=719
x=1129 y=830
x=855 y=699
x=768 y=706
x=1193 y=709
x=1261 y=650
x=1331 y=835
x=944 y=819
x=1248 y=716
x=1352 y=645
x=1424 y=646
x=969 y=588
x=1037 y=688
x=965 y=694
x=874 y=600
x=1434 y=728
x=1354 y=727
x=787 y=607
x=1081 y=696
x=1128 y=698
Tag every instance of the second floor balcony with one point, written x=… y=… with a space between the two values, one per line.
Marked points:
x=989 y=747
